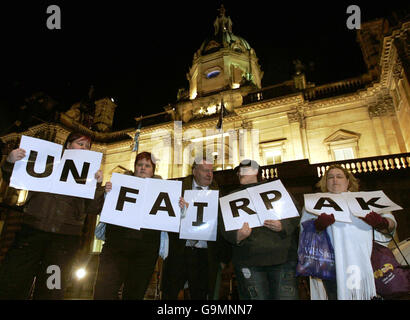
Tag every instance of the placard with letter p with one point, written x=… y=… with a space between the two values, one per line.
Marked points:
x=272 y=201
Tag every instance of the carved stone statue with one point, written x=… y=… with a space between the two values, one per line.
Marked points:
x=299 y=66
x=222 y=23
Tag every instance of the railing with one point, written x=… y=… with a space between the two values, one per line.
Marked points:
x=370 y=165
x=269 y=93
x=319 y=92
x=333 y=89
x=269 y=172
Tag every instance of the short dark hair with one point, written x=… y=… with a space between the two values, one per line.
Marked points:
x=147 y=156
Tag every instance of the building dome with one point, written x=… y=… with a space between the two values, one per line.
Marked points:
x=224 y=40
x=223 y=62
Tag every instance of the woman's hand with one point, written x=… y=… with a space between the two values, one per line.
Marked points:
x=108 y=186
x=99 y=176
x=183 y=203
x=274 y=225
x=243 y=232
x=323 y=221
x=16 y=155
x=378 y=222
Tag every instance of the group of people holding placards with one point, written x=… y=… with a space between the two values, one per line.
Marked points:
x=195 y=227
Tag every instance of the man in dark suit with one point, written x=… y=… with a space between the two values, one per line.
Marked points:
x=193 y=261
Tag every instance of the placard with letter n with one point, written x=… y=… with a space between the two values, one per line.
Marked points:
x=46 y=169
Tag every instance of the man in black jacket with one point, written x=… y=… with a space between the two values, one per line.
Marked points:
x=190 y=260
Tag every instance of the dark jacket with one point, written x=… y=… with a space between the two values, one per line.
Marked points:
x=57 y=213
x=264 y=247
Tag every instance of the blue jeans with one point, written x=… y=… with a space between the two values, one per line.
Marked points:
x=276 y=282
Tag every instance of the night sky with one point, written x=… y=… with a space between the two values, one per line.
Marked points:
x=140 y=54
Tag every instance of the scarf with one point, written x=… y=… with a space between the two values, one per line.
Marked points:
x=353 y=244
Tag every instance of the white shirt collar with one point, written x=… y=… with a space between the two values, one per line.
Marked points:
x=194 y=185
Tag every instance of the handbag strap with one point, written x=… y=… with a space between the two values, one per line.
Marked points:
x=392 y=238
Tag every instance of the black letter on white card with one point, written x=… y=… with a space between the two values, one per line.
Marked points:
x=48 y=170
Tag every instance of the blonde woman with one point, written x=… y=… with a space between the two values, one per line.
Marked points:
x=352 y=243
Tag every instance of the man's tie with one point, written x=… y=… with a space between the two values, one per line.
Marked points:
x=194 y=242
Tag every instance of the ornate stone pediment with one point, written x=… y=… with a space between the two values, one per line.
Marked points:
x=342 y=136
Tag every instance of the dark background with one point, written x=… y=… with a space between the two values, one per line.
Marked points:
x=139 y=52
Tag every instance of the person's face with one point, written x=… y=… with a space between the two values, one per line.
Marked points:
x=144 y=169
x=203 y=174
x=337 y=181
x=248 y=175
x=81 y=143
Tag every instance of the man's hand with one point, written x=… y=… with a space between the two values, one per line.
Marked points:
x=183 y=203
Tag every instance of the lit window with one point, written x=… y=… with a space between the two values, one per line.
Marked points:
x=213 y=74
x=273 y=157
x=343 y=154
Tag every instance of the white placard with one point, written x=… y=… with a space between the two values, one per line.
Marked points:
x=272 y=201
x=161 y=209
x=35 y=175
x=328 y=203
x=80 y=165
x=237 y=208
x=123 y=204
x=201 y=218
x=361 y=203
x=43 y=169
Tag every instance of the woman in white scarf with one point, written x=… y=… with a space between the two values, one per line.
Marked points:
x=352 y=243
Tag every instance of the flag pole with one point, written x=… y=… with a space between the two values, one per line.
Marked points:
x=222 y=133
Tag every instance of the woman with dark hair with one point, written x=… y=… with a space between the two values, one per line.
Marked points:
x=49 y=237
x=352 y=242
x=128 y=256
